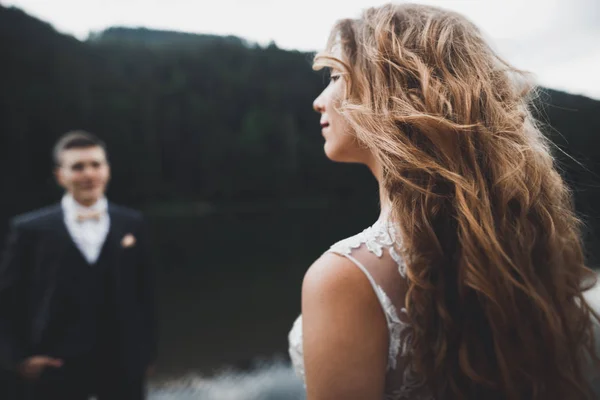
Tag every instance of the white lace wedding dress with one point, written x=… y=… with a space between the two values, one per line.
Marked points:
x=373 y=251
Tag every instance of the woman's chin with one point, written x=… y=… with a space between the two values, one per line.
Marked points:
x=335 y=154
x=331 y=153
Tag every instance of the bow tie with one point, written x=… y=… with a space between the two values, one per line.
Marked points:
x=89 y=216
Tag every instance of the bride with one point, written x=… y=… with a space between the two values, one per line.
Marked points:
x=470 y=284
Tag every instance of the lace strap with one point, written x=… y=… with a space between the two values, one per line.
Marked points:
x=394 y=324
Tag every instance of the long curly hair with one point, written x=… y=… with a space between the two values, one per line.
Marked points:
x=496 y=269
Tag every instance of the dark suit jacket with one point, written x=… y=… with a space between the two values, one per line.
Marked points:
x=28 y=270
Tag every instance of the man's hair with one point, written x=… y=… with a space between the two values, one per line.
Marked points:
x=78 y=139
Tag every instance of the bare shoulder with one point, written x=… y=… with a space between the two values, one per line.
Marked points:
x=333 y=276
x=335 y=285
x=345 y=335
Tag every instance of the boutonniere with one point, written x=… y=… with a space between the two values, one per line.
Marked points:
x=128 y=241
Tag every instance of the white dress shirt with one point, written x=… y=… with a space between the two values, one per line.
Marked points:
x=87 y=234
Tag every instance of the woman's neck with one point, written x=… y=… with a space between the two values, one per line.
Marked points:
x=384 y=202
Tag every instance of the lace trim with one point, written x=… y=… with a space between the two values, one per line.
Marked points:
x=296 y=350
x=399 y=261
x=395 y=327
x=375 y=237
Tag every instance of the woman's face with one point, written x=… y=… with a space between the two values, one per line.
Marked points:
x=340 y=143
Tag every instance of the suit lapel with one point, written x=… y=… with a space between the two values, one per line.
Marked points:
x=61 y=243
x=65 y=237
x=62 y=230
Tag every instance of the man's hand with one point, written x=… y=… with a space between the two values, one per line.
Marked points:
x=32 y=367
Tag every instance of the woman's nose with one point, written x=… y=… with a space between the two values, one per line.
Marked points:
x=318 y=105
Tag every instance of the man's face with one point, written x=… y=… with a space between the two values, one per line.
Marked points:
x=84 y=173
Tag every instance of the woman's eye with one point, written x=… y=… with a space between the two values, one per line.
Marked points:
x=334 y=78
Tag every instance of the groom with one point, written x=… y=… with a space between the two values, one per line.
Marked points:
x=76 y=291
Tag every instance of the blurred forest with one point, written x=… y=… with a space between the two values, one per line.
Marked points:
x=204 y=120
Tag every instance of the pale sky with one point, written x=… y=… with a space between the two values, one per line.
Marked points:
x=557 y=40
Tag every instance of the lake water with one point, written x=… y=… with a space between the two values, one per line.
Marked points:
x=229 y=282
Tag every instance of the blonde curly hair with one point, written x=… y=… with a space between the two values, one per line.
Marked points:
x=496 y=270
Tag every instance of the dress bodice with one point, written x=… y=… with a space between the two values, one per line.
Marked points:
x=374 y=252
